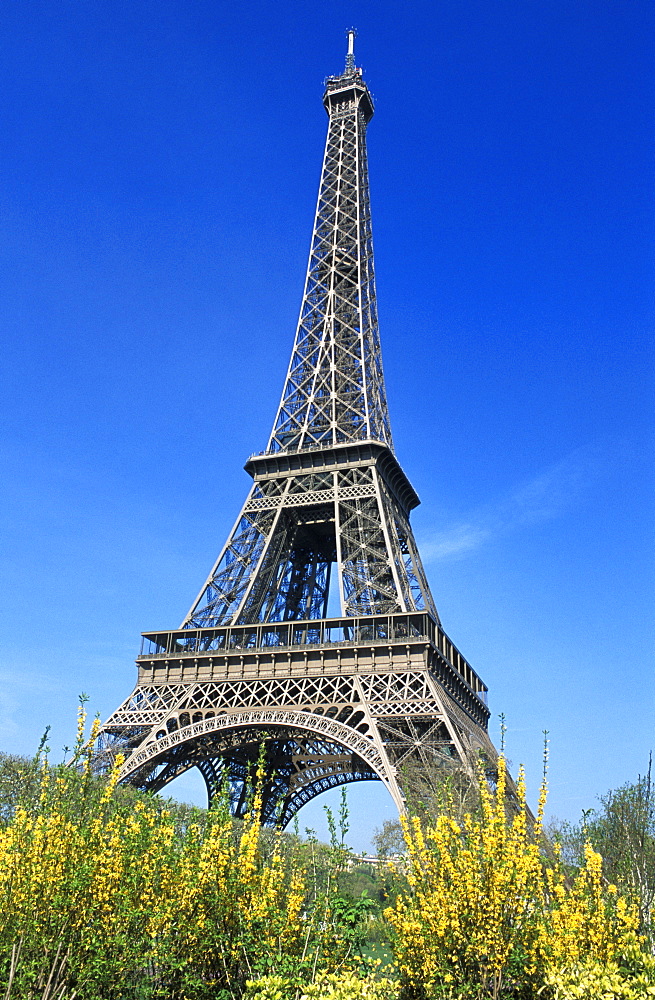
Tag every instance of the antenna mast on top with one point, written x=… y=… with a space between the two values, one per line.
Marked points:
x=350 y=56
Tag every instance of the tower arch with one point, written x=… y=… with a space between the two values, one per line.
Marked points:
x=304 y=754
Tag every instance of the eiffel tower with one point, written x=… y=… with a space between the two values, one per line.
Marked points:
x=257 y=667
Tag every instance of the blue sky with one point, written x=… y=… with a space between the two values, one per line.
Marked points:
x=158 y=177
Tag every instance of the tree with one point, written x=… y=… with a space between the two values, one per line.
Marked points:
x=622 y=830
x=389 y=840
x=19 y=783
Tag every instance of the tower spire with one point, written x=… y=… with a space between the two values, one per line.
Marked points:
x=334 y=391
x=350 y=55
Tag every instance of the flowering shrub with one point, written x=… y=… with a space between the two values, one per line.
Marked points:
x=102 y=895
x=486 y=915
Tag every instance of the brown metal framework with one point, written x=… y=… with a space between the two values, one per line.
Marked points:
x=257 y=666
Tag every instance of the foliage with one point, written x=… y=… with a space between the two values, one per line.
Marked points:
x=19 y=782
x=340 y=986
x=487 y=915
x=390 y=839
x=594 y=980
x=348 y=986
x=622 y=830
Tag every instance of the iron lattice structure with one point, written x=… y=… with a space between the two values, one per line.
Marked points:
x=257 y=666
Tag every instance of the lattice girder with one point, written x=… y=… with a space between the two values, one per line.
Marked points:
x=276 y=564
x=298 y=766
x=334 y=391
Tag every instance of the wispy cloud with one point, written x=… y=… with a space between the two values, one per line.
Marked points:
x=547 y=496
x=454 y=541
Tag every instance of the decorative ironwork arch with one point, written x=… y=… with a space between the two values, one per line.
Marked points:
x=328 y=754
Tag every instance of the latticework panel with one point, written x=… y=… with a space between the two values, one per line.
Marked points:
x=278 y=562
x=409 y=572
x=369 y=584
x=224 y=592
x=181 y=703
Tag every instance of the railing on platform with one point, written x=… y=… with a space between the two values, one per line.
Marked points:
x=369 y=629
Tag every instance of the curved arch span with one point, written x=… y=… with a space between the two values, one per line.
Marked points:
x=272 y=722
